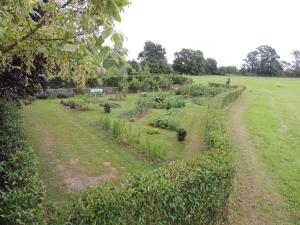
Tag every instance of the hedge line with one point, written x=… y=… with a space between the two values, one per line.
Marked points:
x=185 y=192
x=21 y=192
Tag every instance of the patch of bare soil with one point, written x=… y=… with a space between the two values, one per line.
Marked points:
x=255 y=200
x=74 y=182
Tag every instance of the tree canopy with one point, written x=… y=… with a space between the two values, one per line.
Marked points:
x=263 y=61
x=154 y=57
x=69 y=33
x=211 y=66
x=189 y=61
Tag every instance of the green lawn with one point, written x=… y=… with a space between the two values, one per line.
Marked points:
x=74 y=152
x=273 y=121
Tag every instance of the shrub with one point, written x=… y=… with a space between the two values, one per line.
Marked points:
x=21 y=192
x=199 y=90
x=75 y=104
x=43 y=96
x=107 y=108
x=151 y=131
x=166 y=121
x=181 y=134
x=63 y=96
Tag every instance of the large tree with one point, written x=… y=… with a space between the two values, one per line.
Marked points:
x=296 y=62
x=263 y=61
x=154 y=57
x=69 y=34
x=189 y=61
x=211 y=66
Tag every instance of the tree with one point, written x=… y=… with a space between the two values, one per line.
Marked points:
x=189 y=61
x=296 y=62
x=263 y=61
x=228 y=70
x=69 y=34
x=211 y=66
x=154 y=56
x=135 y=65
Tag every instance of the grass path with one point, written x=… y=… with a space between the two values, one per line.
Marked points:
x=255 y=199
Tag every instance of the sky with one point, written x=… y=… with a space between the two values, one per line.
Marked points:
x=223 y=29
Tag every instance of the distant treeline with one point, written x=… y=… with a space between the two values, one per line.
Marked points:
x=263 y=61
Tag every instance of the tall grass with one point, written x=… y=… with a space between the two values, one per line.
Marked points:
x=125 y=135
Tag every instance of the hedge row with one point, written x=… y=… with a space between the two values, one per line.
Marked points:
x=21 y=192
x=185 y=192
x=118 y=81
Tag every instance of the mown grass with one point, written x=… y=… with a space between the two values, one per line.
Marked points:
x=60 y=135
x=273 y=121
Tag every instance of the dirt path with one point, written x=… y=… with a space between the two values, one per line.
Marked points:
x=255 y=200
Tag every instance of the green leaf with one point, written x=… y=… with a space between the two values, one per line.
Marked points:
x=69 y=48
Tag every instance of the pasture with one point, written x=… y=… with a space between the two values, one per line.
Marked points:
x=272 y=119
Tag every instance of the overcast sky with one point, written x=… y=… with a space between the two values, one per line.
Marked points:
x=223 y=29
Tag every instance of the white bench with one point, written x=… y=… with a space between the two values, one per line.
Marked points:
x=97 y=91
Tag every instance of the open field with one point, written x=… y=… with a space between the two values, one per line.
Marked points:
x=272 y=119
x=74 y=152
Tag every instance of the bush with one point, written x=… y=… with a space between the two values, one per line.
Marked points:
x=199 y=90
x=166 y=121
x=63 y=96
x=107 y=108
x=181 y=134
x=151 y=131
x=75 y=104
x=43 y=96
x=21 y=192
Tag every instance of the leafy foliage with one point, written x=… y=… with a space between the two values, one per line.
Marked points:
x=181 y=134
x=166 y=121
x=211 y=66
x=199 y=90
x=18 y=80
x=189 y=61
x=107 y=108
x=21 y=192
x=154 y=56
x=263 y=61
x=71 y=35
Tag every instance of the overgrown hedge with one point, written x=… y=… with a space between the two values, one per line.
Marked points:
x=146 y=81
x=185 y=192
x=21 y=192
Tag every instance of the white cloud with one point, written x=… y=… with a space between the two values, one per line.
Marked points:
x=223 y=29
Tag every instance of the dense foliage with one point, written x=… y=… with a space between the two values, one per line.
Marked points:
x=263 y=61
x=63 y=37
x=181 y=134
x=199 y=90
x=21 y=192
x=18 y=80
x=189 y=61
x=154 y=57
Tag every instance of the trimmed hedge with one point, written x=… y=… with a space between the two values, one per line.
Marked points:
x=21 y=192
x=185 y=192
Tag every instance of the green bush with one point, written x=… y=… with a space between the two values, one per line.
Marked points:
x=75 y=104
x=166 y=121
x=21 y=192
x=63 y=96
x=181 y=134
x=199 y=90
x=152 y=131
x=107 y=108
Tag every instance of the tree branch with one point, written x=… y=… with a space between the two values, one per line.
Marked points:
x=29 y=34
